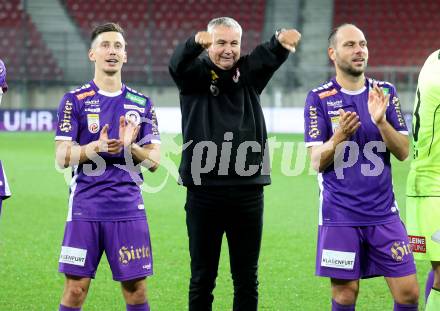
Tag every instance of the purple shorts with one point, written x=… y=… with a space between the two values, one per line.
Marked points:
x=352 y=253
x=126 y=244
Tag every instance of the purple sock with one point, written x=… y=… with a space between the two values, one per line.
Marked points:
x=429 y=283
x=64 y=308
x=141 y=307
x=399 y=307
x=338 y=307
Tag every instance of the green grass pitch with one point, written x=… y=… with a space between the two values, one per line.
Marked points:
x=32 y=224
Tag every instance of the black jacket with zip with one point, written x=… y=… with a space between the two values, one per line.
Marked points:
x=221 y=111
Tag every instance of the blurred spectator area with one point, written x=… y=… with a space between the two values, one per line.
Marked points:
x=22 y=48
x=399 y=32
x=154 y=28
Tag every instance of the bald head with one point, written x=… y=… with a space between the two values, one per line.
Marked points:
x=341 y=32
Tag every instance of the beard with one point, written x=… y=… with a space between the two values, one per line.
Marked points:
x=351 y=70
x=354 y=72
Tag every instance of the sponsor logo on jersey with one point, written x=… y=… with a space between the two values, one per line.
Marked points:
x=133 y=116
x=333 y=113
x=418 y=243
x=92 y=102
x=93 y=123
x=385 y=90
x=337 y=259
x=85 y=94
x=140 y=109
x=313 y=126
x=131 y=254
x=328 y=93
x=65 y=123
x=154 y=126
x=136 y=99
x=396 y=103
x=73 y=256
x=335 y=104
x=94 y=110
x=399 y=250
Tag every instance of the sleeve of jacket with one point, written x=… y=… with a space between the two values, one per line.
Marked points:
x=185 y=67
x=264 y=60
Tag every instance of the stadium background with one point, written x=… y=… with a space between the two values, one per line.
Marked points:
x=44 y=45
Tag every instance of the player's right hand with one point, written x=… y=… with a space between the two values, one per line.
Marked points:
x=204 y=38
x=348 y=123
x=112 y=146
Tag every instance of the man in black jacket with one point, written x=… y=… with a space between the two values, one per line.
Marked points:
x=224 y=164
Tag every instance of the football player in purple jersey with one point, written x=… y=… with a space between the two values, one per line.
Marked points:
x=4 y=187
x=5 y=192
x=3 y=85
x=105 y=130
x=352 y=126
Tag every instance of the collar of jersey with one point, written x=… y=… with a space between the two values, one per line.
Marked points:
x=348 y=92
x=108 y=94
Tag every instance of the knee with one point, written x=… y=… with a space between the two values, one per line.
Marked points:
x=75 y=294
x=138 y=296
x=345 y=295
x=409 y=295
x=135 y=293
x=203 y=279
x=245 y=280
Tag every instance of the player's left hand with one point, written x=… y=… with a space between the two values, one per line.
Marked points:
x=128 y=131
x=377 y=104
x=289 y=39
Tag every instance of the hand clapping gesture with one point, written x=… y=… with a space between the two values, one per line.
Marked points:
x=348 y=123
x=377 y=104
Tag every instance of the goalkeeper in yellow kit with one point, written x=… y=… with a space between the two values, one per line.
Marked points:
x=423 y=185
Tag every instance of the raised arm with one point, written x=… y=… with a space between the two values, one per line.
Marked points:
x=184 y=62
x=266 y=58
x=396 y=142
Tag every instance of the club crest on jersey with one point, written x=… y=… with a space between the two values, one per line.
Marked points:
x=93 y=123
x=133 y=116
x=236 y=77
x=335 y=123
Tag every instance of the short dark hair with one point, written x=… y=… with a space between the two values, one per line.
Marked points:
x=107 y=27
x=332 y=36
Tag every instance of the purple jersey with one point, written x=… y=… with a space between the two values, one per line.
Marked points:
x=355 y=190
x=5 y=192
x=104 y=189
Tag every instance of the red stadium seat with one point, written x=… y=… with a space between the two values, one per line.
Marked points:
x=406 y=28
x=18 y=31
x=166 y=22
